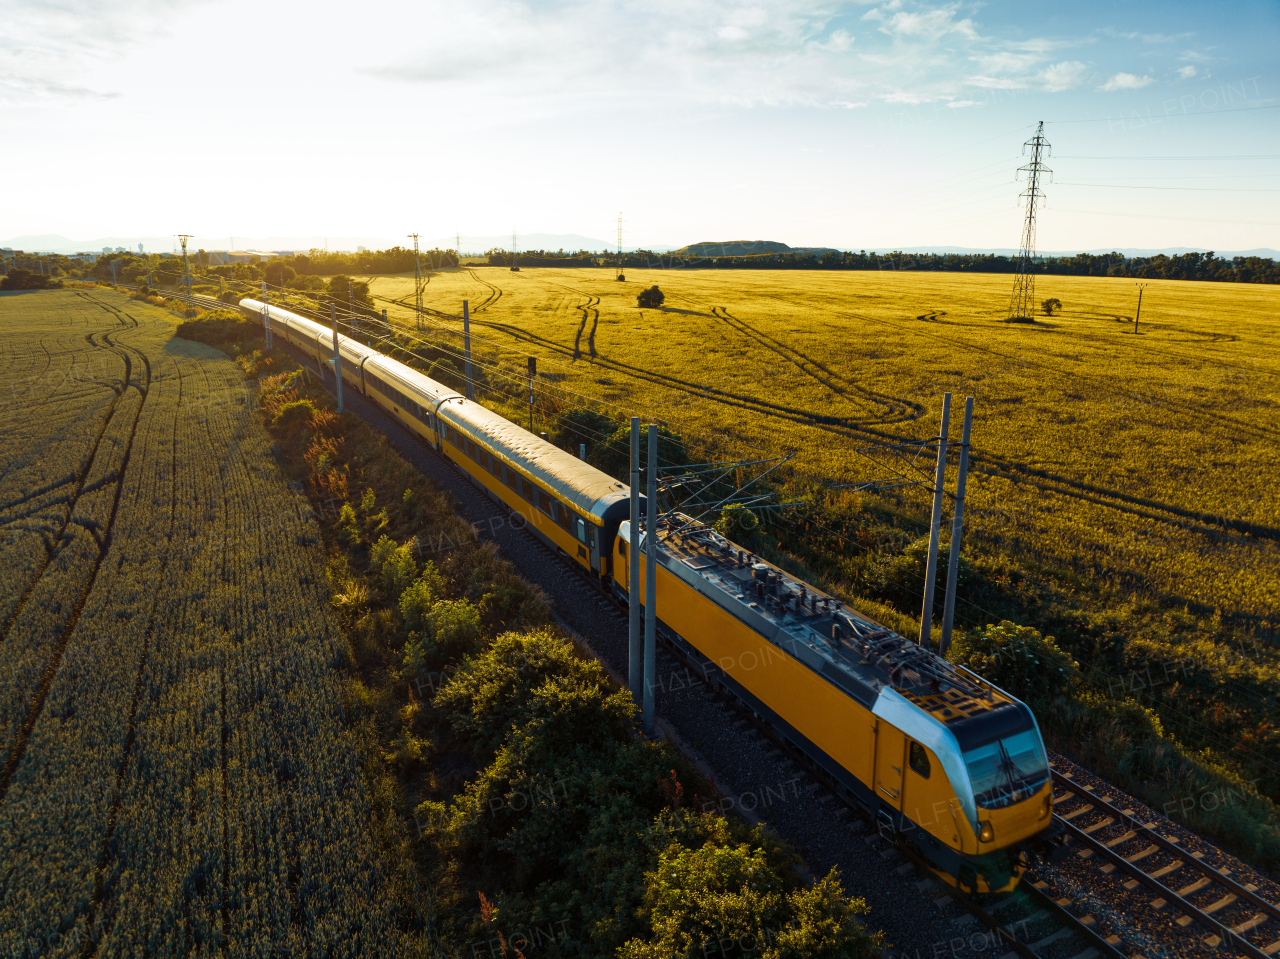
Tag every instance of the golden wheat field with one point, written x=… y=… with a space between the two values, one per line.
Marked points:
x=1149 y=456
x=178 y=778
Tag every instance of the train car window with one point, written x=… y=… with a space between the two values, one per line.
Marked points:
x=564 y=518
x=545 y=503
x=582 y=530
x=622 y=547
x=509 y=477
x=524 y=488
x=591 y=536
x=918 y=760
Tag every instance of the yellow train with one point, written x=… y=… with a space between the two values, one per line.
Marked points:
x=946 y=763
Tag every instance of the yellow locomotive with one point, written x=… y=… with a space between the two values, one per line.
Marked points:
x=944 y=762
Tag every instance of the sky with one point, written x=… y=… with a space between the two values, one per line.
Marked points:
x=870 y=125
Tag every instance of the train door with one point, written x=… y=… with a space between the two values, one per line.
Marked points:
x=890 y=748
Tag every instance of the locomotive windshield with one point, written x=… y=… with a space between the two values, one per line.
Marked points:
x=1008 y=770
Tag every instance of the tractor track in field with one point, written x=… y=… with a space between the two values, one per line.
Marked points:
x=983 y=461
x=23 y=733
x=131 y=729
x=991 y=464
x=896 y=410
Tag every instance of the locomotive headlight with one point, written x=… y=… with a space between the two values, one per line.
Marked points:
x=985 y=832
x=1046 y=807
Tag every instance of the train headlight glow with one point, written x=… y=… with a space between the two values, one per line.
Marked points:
x=985 y=832
x=1046 y=807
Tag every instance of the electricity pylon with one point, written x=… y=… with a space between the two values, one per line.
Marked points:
x=1022 y=303
x=417 y=281
x=620 y=274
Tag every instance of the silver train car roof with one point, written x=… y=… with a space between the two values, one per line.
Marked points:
x=591 y=490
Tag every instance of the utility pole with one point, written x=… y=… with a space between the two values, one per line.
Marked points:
x=1022 y=303
x=417 y=280
x=457 y=239
x=114 y=280
x=337 y=355
x=635 y=649
x=957 y=532
x=533 y=371
x=351 y=300
x=266 y=315
x=186 y=272
x=1141 y=287
x=651 y=584
x=935 y=527
x=515 y=267
x=220 y=292
x=620 y=275
x=466 y=353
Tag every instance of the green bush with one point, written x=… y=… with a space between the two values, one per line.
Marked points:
x=738 y=523
x=650 y=298
x=294 y=413
x=501 y=689
x=1016 y=658
x=613 y=456
x=698 y=899
x=418 y=598
x=581 y=424
x=451 y=627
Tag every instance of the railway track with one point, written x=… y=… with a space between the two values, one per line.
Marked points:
x=1200 y=901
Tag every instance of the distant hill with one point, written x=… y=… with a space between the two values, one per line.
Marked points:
x=747 y=248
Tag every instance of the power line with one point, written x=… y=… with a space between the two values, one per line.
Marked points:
x=1169 y=116
x=1254 y=156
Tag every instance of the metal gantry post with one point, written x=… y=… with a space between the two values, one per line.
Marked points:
x=634 y=648
x=935 y=528
x=466 y=353
x=533 y=371
x=651 y=584
x=957 y=531
x=220 y=290
x=351 y=300
x=266 y=315
x=337 y=355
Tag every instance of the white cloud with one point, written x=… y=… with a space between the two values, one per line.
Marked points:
x=957 y=104
x=1125 y=81
x=840 y=41
x=929 y=25
x=1187 y=72
x=1063 y=76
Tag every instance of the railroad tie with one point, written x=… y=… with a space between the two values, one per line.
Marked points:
x=1226 y=900
x=1087 y=954
x=1098 y=825
x=1051 y=938
x=1142 y=855
x=1194 y=887
x=1257 y=920
x=1076 y=812
x=1165 y=870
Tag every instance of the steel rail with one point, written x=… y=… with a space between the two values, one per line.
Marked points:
x=1141 y=831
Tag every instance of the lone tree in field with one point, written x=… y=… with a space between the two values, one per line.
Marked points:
x=651 y=297
x=1050 y=305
